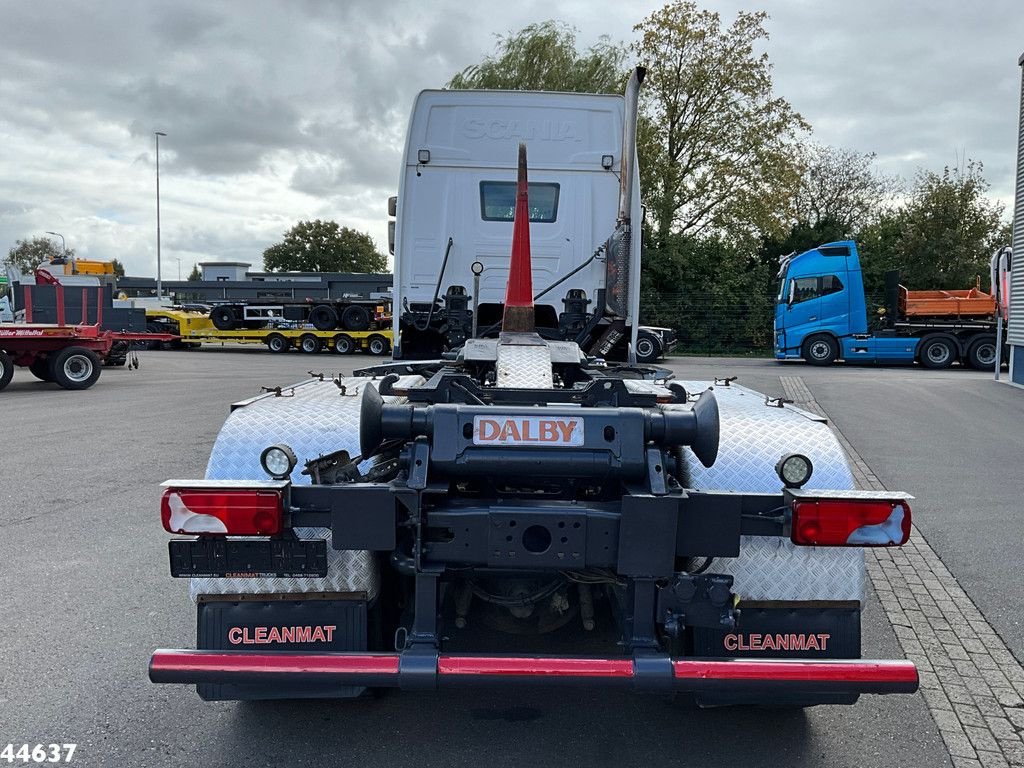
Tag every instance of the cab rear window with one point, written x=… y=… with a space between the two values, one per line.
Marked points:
x=498 y=201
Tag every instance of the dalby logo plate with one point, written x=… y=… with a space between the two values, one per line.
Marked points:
x=528 y=430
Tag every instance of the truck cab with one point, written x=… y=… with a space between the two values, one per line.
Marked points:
x=821 y=314
x=452 y=221
x=820 y=302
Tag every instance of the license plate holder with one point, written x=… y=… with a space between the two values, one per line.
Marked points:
x=232 y=558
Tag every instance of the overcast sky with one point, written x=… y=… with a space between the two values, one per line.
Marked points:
x=281 y=111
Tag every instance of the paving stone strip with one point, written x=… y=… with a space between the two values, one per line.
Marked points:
x=971 y=682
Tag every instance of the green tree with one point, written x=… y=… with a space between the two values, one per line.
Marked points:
x=840 y=189
x=26 y=255
x=118 y=268
x=324 y=246
x=544 y=57
x=943 y=235
x=195 y=276
x=801 y=237
x=717 y=148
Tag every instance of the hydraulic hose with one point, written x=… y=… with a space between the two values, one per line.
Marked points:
x=437 y=289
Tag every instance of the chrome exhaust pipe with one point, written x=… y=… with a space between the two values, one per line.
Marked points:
x=618 y=258
x=632 y=96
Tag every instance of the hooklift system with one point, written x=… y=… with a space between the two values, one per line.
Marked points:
x=497 y=495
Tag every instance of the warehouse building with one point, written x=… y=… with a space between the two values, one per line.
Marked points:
x=1015 y=333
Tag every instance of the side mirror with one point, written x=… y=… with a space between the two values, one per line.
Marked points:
x=792 y=294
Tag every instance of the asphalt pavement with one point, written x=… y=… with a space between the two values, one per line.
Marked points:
x=953 y=439
x=87 y=596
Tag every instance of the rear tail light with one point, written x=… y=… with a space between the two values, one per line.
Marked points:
x=225 y=510
x=851 y=522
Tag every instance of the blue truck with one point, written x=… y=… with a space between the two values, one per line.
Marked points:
x=821 y=316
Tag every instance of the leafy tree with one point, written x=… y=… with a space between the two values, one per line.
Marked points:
x=26 y=255
x=324 y=246
x=840 y=189
x=943 y=235
x=195 y=276
x=716 y=146
x=802 y=237
x=118 y=268
x=543 y=57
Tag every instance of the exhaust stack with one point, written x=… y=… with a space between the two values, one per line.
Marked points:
x=518 y=316
x=618 y=274
x=632 y=97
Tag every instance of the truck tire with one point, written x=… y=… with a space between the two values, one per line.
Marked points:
x=76 y=368
x=223 y=318
x=937 y=353
x=41 y=369
x=343 y=345
x=648 y=347
x=6 y=369
x=310 y=344
x=820 y=350
x=355 y=318
x=981 y=354
x=277 y=343
x=323 y=317
x=377 y=345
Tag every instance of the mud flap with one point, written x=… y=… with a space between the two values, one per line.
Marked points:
x=777 y=630
x=269 y=626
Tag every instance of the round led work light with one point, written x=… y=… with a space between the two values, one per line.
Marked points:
x=794 y=470
x=278 y=461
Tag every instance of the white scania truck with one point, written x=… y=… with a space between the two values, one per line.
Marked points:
x=453 y=222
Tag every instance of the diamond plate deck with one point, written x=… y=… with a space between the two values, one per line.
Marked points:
x=754 y=438
x=314 y=418
x=524 y=366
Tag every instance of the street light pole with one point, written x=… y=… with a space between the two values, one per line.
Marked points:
x=63 y=245
x=159 y=282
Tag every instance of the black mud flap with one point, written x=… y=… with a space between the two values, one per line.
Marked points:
x=270 y=626
x=785 y=631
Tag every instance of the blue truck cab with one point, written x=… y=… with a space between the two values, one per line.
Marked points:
x=821 y=315
x=820 y=302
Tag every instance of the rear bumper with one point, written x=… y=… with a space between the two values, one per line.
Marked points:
x=429 y=670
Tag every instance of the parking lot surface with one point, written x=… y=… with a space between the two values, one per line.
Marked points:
x=83 y=574
x=949 y=438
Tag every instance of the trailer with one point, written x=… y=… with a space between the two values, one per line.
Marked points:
x=195 y=327
x=349 y=314
x=821 y=315
x=71 y=356
x=520 y=513
x=67 y=353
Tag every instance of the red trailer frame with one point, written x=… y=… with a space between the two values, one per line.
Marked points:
x=69 y=355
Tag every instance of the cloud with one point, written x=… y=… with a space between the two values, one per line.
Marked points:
x=276 y=112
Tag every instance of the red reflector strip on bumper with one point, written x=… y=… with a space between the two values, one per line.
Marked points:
x=853 y=671
x=544 y=667
x=386 y=670
x=276 y=663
